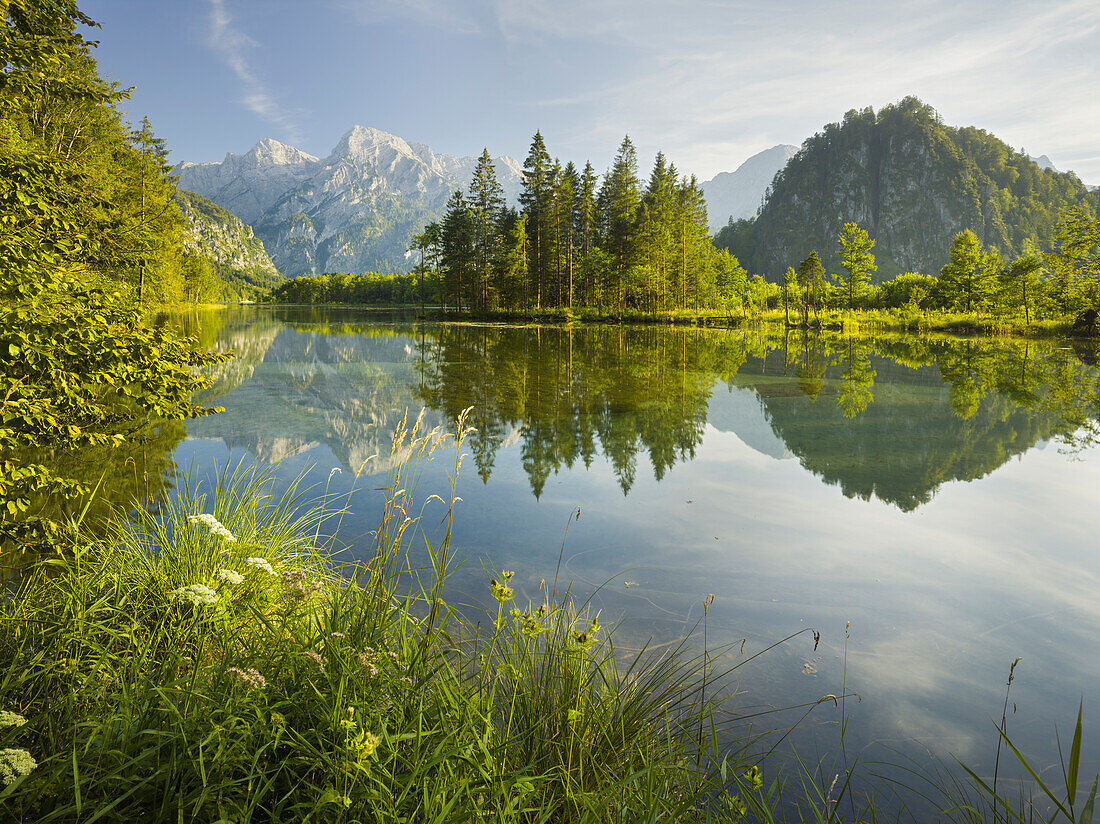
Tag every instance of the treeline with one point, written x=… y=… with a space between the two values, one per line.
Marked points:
x=579 y=240
x=975 y=280
x=365 y=288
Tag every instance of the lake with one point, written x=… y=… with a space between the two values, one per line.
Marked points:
x=929 y=506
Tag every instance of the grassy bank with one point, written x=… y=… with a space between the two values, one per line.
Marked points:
x=214 y=662
x=868 y=321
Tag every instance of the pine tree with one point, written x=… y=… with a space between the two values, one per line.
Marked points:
x=456 y=250
x=968 y=280
x=811 y=282
x=696 y=249
x=485 y=207
x=535 y=200
x=565 y=218
x=619 y=200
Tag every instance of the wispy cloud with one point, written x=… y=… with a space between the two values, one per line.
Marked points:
x=232 y=45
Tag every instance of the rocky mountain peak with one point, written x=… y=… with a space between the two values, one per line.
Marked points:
x=353 y=211
x=738 y=194
x=267 y=153
x=367 y=143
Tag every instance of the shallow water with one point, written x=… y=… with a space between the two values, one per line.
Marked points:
x=929 y=507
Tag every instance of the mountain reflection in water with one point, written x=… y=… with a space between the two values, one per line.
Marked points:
x=939 y=494
x=889 y=417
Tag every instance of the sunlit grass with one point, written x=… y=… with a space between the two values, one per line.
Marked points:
x=215 y=662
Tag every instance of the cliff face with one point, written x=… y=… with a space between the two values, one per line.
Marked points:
x=913 y=183
x=226 y=241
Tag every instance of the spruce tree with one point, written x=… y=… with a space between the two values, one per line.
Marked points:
x=619 y=200
x=535 y=200
x=485 y=207
x=456 y=250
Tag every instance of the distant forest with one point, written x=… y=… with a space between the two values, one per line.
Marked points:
x=615 y=244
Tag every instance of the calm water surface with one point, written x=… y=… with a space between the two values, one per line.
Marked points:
x=930 y=504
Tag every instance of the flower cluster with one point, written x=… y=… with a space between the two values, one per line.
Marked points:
x=214 y=525
x=367 y=659
x=258 y=565
x=586 y=639
x=15 y=764
x=316 y=658
x=500 y=589
x=296 y=583
x=250 y=677
x=529 y=622
x=11 y=719
x=194 y=594
x=230 y=576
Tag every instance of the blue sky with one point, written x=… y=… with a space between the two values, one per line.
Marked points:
x=709 y=82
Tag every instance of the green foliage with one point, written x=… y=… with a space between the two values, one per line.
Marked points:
x=221 y=252
x=211 y=664
x=78 y=367
x=367 y=288
x=856 y=259
x=574 y=244
x=865 y=170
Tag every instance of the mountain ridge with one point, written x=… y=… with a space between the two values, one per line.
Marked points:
x=354 y=210
x=738 y=194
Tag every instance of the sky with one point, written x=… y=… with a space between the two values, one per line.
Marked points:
x=709 y=82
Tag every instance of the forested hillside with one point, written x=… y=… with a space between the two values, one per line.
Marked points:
x=237 y=257
x=913 y=183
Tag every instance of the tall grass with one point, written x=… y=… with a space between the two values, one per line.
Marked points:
x=214 y=662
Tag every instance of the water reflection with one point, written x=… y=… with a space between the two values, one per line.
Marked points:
x=806 y=480
x=890 y=418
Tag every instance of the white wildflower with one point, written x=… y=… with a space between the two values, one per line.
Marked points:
x=259 y=565
x=195 y=594
x=11 y=719
x=230 y=576
x=15 y=764
x=214 y=525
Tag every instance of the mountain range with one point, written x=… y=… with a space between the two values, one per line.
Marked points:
x=355 y=210
x=901 y=173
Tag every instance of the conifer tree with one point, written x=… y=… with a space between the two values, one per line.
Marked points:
x=485 y=206
x=619 y=200
x=968 y=279
x=811 y=281
x=456 y=250
x=535 y=200
x=696 y=249
x=565 y=217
